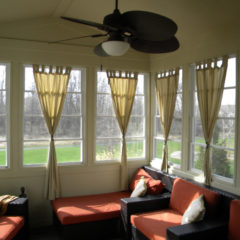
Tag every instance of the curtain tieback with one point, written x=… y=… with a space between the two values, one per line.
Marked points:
x=207 y=145
x=165 y=142
x=52 y=138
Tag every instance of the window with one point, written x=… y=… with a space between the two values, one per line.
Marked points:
x=4 y=70
x=108 y=135
x=175 y=135
x=69 y=133
x=223 y=141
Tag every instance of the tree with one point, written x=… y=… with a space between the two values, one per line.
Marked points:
x=220 y=163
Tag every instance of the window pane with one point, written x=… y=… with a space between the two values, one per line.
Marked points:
x=69 y=127
x=178 y=106
x=138 y=106
x=72 y=104
x=29 y=79
x=3 y=154
x=35 y=128
x=158 y=146
x=140 y=84
x=107 y=124
x=107 y=127
x=31 y=103
x=227 y=108
x=180 y=81
x=158 y=130
x=3 y=127
x=2 y=102
x=108 y=149
x=176 y=129
x=135 y=127
x=74 y=84
x=174 y=152
x=198 y=156
x=104 y=105
x=35 y=152
x=230 y=80
x=224 y=133
x=2 y=77
x=69 y=151
x=223 y=162
x=135 y=148
x=102 y=83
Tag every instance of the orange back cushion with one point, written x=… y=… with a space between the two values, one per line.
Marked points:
x=184 y=192
x=234 y=220
x=153 y=186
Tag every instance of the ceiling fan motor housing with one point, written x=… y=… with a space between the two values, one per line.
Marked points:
x=114 y=19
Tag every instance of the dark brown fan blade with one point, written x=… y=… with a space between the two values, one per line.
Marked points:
x=100 y=26
x=98 y=50
x=149 y=26
x=74 y=38
x=169 y=45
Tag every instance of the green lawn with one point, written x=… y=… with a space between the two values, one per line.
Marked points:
x=39 y=155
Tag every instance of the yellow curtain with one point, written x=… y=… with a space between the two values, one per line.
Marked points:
x=210 y=81
x=166 y=92
x=51 y=86
x=123 y=86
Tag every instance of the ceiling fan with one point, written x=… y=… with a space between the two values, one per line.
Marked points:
x=144 y=31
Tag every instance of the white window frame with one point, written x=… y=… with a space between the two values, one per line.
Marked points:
x=7 y=91
x=145 y=122
x=155 y=137
x=83 y=80
x=192 y=143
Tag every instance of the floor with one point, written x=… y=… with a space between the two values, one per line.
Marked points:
x=48 y=233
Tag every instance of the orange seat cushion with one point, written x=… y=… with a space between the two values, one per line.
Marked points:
x=153 y=186
x=184 y=192
x=9 y=226
x=70 y=210
x=154 y=224
x=234 y=220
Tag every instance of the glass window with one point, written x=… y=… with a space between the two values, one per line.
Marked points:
x=68 y=136
x=175 y=135
x=3 y=115
x=108 y=135
x=223 y=141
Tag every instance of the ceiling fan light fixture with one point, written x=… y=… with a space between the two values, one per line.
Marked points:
x=115 y=47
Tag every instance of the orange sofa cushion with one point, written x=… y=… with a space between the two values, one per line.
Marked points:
x=9 y=226
x=234 y=220
x=153 y=186
x=154 y=224
x=70 y=210
x=184 y=192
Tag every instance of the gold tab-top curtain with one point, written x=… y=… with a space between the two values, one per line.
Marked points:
x=123 y=86
x=210 y=81
x=166 y=92
x=51 y=83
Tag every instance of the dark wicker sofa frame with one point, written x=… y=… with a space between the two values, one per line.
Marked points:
x=112 y=228
x=205 y=229
x=19 y=207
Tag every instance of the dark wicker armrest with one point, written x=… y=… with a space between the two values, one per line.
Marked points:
x=18 y=207
x=147 y=203
x=207 y=230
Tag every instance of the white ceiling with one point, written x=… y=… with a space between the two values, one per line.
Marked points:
x=198 y=21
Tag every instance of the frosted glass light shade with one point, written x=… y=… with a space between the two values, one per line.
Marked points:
x=115 y=48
